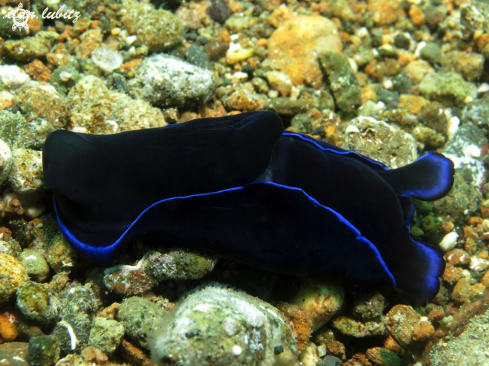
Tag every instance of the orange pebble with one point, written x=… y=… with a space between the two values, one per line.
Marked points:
x=131 y=65
x=8 y=328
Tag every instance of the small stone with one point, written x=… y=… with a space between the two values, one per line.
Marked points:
x=233 y=56
x=38 y=303
x=107 y=59
x=280 y=82
x=450 y=89
x=400 y=322
x=380 y=141
x=383 y=357
x=412 y=103
x=12 y=77
x=12 y=276
x=243 y=100
x=139 y=317
x=165 y=81
x=429 y=137
x=337 y=349
x=485 y=279
x=470 y=65
x=91 y=40
x=286 y=106
x=423 y=332
x=477 y=112
x=35 y=265
x=30 y=48
x=60 y=255
x=452 y=274
x=431 y=52
x=26 y=172
x=417 y=70
x=294 y=45
x=9 y=327
x=416 y=15
x=298 y=320
x=196 y=333
x=434 y=16
x=458 y=257
x=369 y=306
x=14 y=354
x=401 y=41
x=461 y=291
x=344 y=84
x=106 y=334
x=384 y=12
x=320 y=300
x=436 y=315
x=350 y=327
x=43 y=351
x=197 y=56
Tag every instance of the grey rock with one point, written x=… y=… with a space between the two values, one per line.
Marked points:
x=106 y=334
x=477 y=112
x=167 y=81
x=43 y=351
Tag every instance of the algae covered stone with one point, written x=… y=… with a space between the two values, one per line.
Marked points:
x=167 y=81
x=38 y=303
x=344 y=84
x=35 y=265
x=222 y=326
x=380 y=141
x=449 y=88
x=12 y=276
x=106 y=334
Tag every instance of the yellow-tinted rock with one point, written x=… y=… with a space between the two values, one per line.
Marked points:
x=320 y=300
x=295 y=45
x=416 y=70
x=12 y=276
x=412 y=103
x=384 y=11
x=240 y=54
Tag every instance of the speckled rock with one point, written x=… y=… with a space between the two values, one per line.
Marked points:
x=221 y=326
x=43 y=351
x=384 y=12
x=401 y=321
x=477 y=112
x=12 y=77
x=60 y=255
x=380 y=141
x=26 y=172
x=38 y=303
x=431 y=52
x=354 y=328
x=35 y=265
x=244 y=100
x=320 y=300
x=383 y=357
x=369 y=306
x=106 y=334
x=43 y=100
x=155 y=267
x=470 y=65
x=469 y=348
x=96 y=109
x=286 y=106
x=417 y=70
x=73 y=331
x=466 y=149
x=159 y=30
x=5 y=161
x=429 y=137
x=294 y=45
x=30 y=48
x=449 y=88
x=12 y=276
x=17 y=132
x=90 y=41
x=280 y=82
x=139 y=316
x=343 y=82
x=166 y=81
x=14 y=354
x=9 y=245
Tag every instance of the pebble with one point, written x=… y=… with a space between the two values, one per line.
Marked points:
x=106 y=334
x=5 y=161
x=35 y=265
x=470 y=65
x=384 y=12
x=477 y=112
x=320 y=301
x=38 y=303
x=239 y=329
x=30 y=48
x=400 y=322
x=12 y=77
x=457 y=257
x=43 y=351
x=449 y=88
x=369 y=306
x=344 y=84
x=296 y=42
x=167 y=81
x=383 y=357
x=12 y=276
x=461 y=291
x=417 y=70
x=280 y=82
x=244 y=100
x=9 y=327
x=380 y=141
x=233 y=56
x=286 y=106
x=26 y=172
x=14 y=354
x=139 y=316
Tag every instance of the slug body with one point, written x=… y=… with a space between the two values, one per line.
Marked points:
x=241 y=187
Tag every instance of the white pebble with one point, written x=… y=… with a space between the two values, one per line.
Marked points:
x=472 y=151
x=449 y=241
x=453 y=124
x=237 y=350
